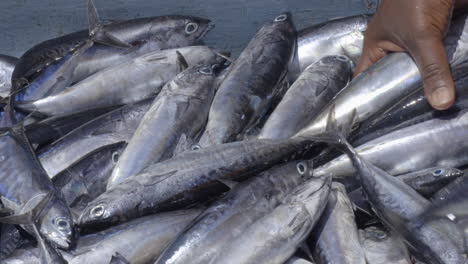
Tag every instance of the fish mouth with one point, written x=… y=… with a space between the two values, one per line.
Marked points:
x=60 y=242
x=208 y=28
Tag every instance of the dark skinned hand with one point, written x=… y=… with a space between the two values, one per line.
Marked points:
x=418 y=27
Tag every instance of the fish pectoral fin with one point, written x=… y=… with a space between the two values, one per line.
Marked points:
x=155 y=179
x=29 y=217
x=117 y=258
x=229 y=183
x=182 y=64
x=185 y=144
x=97 y=31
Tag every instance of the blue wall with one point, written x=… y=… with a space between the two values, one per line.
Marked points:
x=26 y=22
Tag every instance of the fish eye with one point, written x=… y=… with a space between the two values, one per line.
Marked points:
x=380 y=235
x=301 y=168
x=62 y=223
x=438 y=172
x=191 y=28
x=97 y=211
x=115 y=157
x=342 y=58
x=281 y=18
x=196 y=147
x=206 y=70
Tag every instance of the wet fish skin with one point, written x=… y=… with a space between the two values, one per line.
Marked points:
x=427 y=182
x=246 y=93
x=85 y=180
x=276 y=236
x=190 y=177
x=10 y=239
x=314 y=88
x=139 y=241
x=296 y=260
x=50 y=129
x=178 y=113
x=116 y=126
x=7 y=65
x=335 y=238
x=24 y=184
x=381 y=247
x=412 y=148
x=447 y=190
x=340 y=36
x=410 y=111
x=397 y=205
x=145 y=34
x=125 y=83
x=228 y=217
x=387 y=82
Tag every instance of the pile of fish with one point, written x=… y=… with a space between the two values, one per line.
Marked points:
x=132 y=142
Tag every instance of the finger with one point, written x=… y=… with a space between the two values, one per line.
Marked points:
x=433 y=64
x=370 y=55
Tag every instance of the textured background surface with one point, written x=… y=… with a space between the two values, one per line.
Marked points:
x=24 y=23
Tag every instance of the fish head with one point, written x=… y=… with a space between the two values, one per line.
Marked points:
x=183 y=31
x=56 y=224
x=375 y=234
x=313 y=194
x=446 y=173
x=99 y=213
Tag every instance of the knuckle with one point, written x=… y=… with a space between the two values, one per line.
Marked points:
x=433 y=72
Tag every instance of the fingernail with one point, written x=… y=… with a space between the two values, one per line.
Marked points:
x=441 y=98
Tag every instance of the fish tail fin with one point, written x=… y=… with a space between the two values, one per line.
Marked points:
x=97 y=31
x=334 y=134
x=29 y=217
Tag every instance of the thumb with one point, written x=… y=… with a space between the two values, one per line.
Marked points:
x=433 y=64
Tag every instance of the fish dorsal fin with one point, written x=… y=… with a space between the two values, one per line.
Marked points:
x=117 y=258
x=229 y=183
x=182 y=64
x=97 y=31
x=29 y=217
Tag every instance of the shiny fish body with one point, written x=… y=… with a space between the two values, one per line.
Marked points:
x=427 y=182
x=50 y=129
x=315 y=87
x=87 y=178
x=445 y=192
x=296 y=260
x=387 y=82
x=335 y=238
x=412 y=148
x=246 y=93
x=144 y=34
x=396 y=204
x=125 y=83
x=7 y=65
x=139 y=241
x=410 y=111
x=341 y=36
x=231 y=215
x=275 y=237
x=23 y=184
x=382 y=247
x=116 y=126
x=178 y=113
x=190 y=177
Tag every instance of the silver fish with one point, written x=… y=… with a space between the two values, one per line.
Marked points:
x=276 y=236
x=388 y=81
x=125 y=83
x=381 y=247
x=7 y=65
x=138 y=241
x=397 y=205
x=116 y=126
x=306 y=97
x=411 y=149
x=178 y=113
x=191 y=177
x=296 y=260
x=25 y=186
x=340 y=36
x=231 y=215
x=246 y=93
x=335 y=239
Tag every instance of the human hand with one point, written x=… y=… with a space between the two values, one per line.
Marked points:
x=418 y=27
